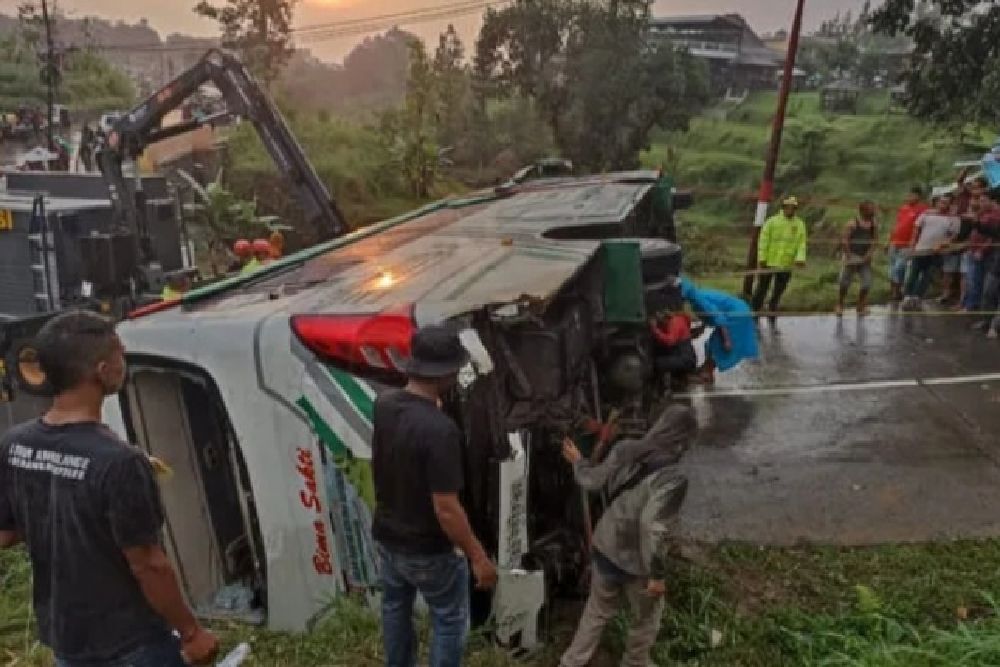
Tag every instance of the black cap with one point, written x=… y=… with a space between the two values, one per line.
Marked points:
x=436 y=352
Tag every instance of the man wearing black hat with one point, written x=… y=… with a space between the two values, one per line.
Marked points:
x=423 y=533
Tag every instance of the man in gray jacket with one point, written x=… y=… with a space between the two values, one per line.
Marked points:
x=645 y=491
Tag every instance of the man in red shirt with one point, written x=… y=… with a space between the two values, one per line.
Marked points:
x=901 y=239
x=674 y=356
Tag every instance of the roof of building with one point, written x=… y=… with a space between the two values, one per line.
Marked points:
x=753 y=52
x=735 y=20
x=760 y=57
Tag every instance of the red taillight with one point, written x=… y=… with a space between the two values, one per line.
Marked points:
x=380 y=341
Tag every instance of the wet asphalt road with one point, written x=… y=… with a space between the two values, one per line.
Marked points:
x=851 y=433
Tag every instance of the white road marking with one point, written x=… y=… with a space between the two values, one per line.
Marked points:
x=841 y=387
x=963 y=379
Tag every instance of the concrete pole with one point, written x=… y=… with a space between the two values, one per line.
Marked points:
x=49 y=72
x=767 y=184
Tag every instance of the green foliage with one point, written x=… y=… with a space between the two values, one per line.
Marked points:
x=410 y=132
x=520 y=46
x=606 y=120
x=90 y=82
x=832 y=162
x=18 y=637
x=371 y=79
x=87 y=81
x=377 y=68
x=260 y=30
x=217 y=216
x=454 y=91
x=559 y=55
x=955 y=73
x=735 y=605
x=846 y=47
x=353 y=162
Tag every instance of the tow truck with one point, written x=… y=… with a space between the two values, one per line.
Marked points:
x=131 y=273
x=258 y=391
x=245 y=99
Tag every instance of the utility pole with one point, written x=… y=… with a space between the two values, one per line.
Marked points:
x=50 y=72
x=767 y=184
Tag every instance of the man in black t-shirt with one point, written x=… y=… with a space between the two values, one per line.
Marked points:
x=87 y=507
x=419 y=522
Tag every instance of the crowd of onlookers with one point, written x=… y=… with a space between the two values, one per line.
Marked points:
x=953 y=240
x=956 y=237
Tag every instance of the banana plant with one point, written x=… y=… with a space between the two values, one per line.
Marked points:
x=218 y=217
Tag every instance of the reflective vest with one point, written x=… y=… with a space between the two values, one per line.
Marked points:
x=782 y=242
x=251 y=266
x=170 y=294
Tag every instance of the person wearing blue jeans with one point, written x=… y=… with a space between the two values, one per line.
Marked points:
x=983 y=249
x=991 y=303
x=918 y=280
x=935 y=231
x=421 y=529
x=974 y=275
x=443 y=582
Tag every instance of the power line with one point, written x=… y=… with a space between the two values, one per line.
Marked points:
x=362 y=29
x=456 y=6
x=320 y=32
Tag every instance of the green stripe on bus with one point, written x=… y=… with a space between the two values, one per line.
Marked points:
x=355 y=393
x=323 y=430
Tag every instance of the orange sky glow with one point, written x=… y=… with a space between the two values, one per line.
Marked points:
x=176 y=16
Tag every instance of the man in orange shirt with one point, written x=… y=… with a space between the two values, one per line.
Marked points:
x=674 y=355
x=901 y=239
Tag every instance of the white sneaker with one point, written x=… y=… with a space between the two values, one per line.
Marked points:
x=993 y=334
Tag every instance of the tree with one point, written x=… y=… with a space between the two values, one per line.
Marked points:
x=842 y=57
x=561 y=55
x=410 y=131
x=519 y=45
x=453 y=90
x=88 y=82
x=954 y=75
x=372 y=76
x=219 y=217
x=91 y=82
x=260 y=30
x=378 y=66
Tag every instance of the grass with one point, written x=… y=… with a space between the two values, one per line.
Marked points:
x=892 y=606
x=831 y=162
x=733 y=605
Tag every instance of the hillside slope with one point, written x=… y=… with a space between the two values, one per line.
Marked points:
x=831 y=162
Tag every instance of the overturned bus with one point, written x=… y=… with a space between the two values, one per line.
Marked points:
x=259 y=392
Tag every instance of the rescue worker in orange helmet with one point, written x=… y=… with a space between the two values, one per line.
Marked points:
x=246 y=262
x=262 y=251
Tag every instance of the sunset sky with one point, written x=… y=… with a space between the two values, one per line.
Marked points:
x=175 y=16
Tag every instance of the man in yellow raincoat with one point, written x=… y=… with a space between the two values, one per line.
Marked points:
x=177 y=286
x=782 y=246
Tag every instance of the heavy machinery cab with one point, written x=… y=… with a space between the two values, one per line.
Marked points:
x=244 y=98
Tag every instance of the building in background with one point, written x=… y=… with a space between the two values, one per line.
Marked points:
x=738 y=59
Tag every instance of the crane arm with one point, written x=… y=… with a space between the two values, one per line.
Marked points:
x=244 y=98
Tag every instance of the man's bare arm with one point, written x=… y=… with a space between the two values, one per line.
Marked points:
x=455 y=524
x=152 y=569
x=155 y=574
